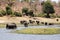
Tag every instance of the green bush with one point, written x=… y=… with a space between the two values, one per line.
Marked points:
x=25 y=10
x=58 y=16
x=3 y=12
x=53 y=16
x=12 y=15
x=8 y=10
x=17 y=14
x=41 y=15
x=30 y=13
x=1 y=15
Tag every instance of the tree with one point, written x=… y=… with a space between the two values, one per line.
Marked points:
x=30 y=13
x=8 y=10
x=25 y=10
x=48 y=9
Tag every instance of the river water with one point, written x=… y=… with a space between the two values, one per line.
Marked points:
x=5 y=35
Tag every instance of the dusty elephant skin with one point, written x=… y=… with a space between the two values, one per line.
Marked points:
x=11 y=26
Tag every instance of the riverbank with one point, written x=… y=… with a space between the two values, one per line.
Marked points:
x=6 y=19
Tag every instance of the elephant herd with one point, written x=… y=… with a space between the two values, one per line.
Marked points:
x=25 y=23
x=37 y=22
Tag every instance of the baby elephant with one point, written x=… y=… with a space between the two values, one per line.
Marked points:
x=26 y=24
x=11 y=26
x=37 y=22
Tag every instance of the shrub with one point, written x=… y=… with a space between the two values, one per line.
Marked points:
x=40 y=15
x=8 y=10
x=25 y=10
x=17 y=14
x=1 y=15
x=58 y=16
x=12 y=15
x=3 y=12
x=53 y=16
x=30 y=13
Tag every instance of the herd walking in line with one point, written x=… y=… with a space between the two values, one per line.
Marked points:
x=26 y=24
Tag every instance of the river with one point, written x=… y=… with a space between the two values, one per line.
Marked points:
x=6 y=35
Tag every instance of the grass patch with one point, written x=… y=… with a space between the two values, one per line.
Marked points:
x=2 y=25
x=40 y=15
x=53 y=16
x=39 y=31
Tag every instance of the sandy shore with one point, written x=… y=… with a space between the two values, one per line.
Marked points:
x=18 y=19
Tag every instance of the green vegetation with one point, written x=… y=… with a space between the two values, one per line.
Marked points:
x=3 y=12
x=58 y=16
x=53 y=16
x=25 y=10
x=40 y=15
x=48 y=8
x=2 y=25
x=17 y=14
x=28 y=12
x=8 y=10
x=39 y=31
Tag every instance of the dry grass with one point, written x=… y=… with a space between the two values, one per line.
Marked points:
x=39 y=31
x=2 y=25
